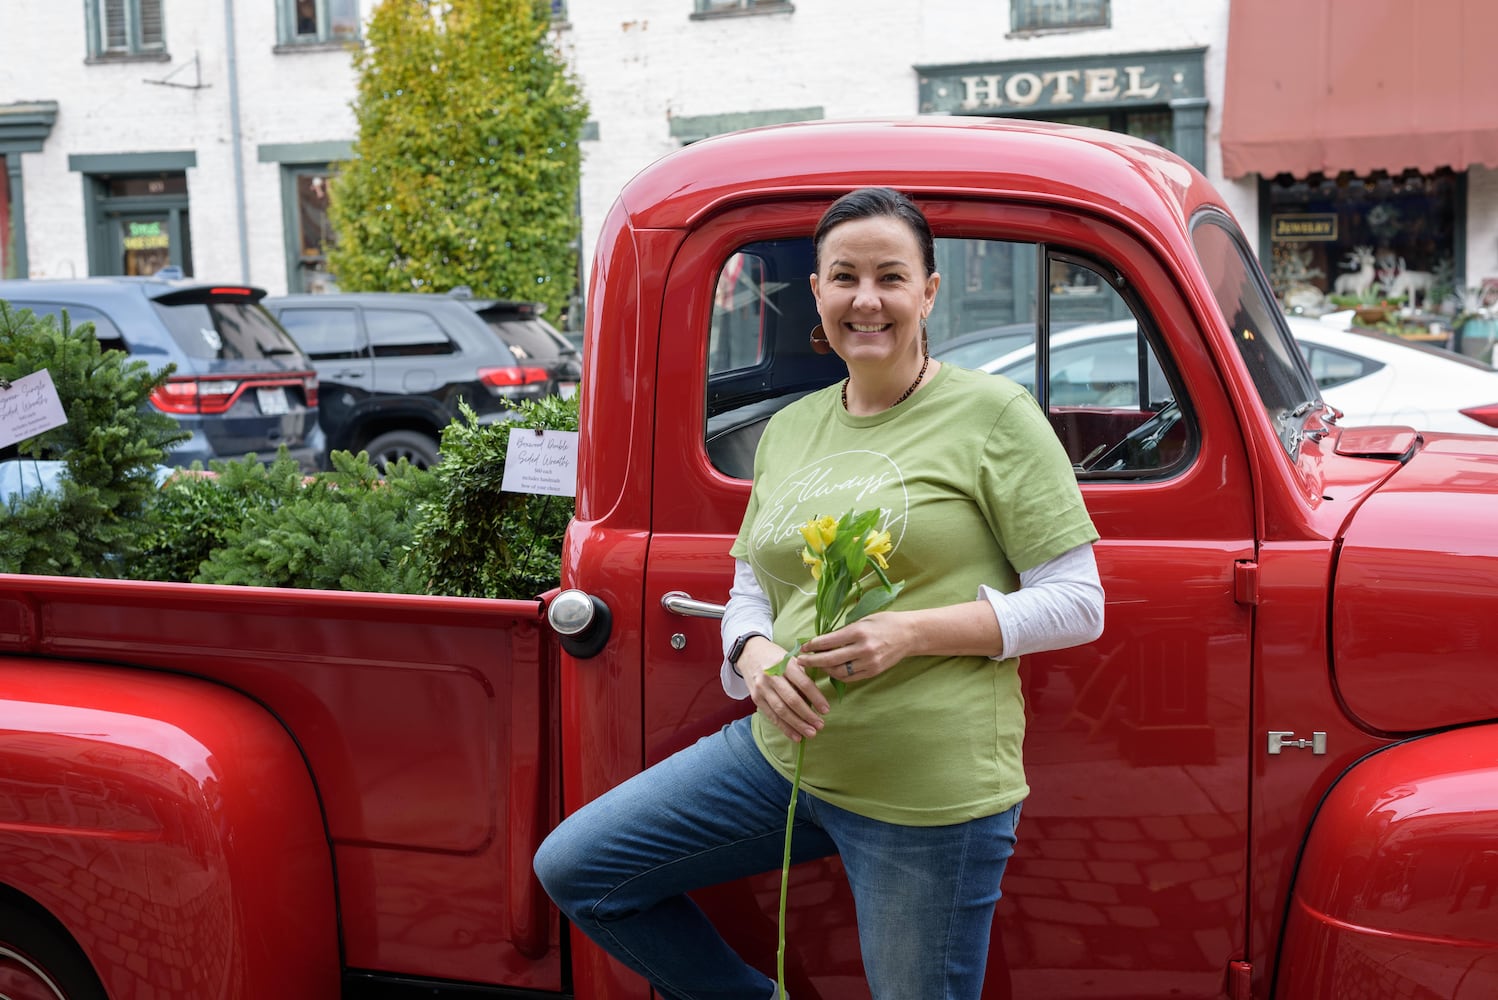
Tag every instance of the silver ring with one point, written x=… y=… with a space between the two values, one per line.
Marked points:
x=848 y=669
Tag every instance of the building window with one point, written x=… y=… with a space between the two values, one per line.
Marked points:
x=1058 y=15
x=125 y=28
x=313 y=233
x=559 y=10
x=716 y=8
x=318 y=22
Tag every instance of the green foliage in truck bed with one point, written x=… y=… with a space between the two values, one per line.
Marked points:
x=111 y=445
x=449 y=531
x=347 y=529
x=479 y=541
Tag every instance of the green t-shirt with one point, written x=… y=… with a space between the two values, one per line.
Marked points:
x=974 y=488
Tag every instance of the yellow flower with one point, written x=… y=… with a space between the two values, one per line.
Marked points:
x=813 y=560
x=876 y=546
x=819 y=533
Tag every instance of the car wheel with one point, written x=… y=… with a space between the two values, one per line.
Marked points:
x=414 y=446
x=39 y=961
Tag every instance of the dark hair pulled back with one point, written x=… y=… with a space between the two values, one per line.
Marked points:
x=871 y=202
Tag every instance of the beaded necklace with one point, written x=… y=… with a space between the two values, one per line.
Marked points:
x=904 y=395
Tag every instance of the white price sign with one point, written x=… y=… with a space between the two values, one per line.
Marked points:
x=29 y=406
x=538 y=461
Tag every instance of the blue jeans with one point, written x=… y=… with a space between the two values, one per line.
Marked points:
x=621 y=866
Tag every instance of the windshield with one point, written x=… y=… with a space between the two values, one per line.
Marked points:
x=230 y=330
x=1279 y=371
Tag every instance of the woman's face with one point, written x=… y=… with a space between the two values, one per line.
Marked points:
x=872 y=290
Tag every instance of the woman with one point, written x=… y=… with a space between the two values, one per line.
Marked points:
x=914 y=775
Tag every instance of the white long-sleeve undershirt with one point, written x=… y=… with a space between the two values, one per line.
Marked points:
x=1059 y=604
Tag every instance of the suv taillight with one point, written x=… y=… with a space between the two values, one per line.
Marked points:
x=211 y=394
x=512 y=376
x=197 y=395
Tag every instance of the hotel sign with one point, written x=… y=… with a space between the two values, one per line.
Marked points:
x=1057 y=85
x=1303 y=227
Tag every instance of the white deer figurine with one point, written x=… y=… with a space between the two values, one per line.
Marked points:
x=1360 y=280
x=1408 y=283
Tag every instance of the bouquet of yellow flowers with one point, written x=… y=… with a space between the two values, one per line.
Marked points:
x=840 y=552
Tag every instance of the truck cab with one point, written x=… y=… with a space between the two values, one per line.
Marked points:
x=1177 y=763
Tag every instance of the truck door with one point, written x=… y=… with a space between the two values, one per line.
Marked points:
x=1129 y=877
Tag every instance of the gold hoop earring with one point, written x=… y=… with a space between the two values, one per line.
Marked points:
x=819 y=342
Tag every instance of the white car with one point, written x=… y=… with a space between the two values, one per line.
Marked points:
x=1371 y=378
x=1376 y=379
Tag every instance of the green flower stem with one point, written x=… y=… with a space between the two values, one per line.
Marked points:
x=785 y=872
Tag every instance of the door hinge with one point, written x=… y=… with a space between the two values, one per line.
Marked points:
x=1246 y=581
x=1240 y=980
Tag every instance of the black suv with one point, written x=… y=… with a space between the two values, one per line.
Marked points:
x=241 y=385
x=532 y=340
x=393 y=366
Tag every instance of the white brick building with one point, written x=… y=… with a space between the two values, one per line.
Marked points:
x=202 y=124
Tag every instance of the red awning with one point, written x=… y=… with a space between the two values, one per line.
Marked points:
x=1322 y=86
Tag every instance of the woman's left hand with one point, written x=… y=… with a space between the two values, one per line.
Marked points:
x=857 y=652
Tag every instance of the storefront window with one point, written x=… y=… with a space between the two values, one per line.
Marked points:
x=145 y=223
x=1350 y=240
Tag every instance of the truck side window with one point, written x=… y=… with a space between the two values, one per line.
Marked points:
x=1099 y=380
x=1108 y=396
x=759 y=347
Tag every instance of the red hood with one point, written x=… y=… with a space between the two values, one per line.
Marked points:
x=1415 y=598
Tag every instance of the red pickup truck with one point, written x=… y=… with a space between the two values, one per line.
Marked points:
x=1274 y=775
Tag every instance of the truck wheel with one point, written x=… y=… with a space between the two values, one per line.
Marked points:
x=39 y=961
x=414 y=446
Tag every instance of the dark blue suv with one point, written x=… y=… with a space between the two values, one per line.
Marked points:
x=241 y=386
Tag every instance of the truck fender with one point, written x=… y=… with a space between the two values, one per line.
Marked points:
x=170 y=827
x=1396 y=891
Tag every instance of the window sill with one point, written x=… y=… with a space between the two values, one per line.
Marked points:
x=763 y=8
x=108 y=58
x=339 y=45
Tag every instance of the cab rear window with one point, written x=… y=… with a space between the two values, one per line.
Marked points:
x=235 y=330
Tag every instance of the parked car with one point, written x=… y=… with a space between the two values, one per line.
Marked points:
x=532 y=340
x=1375 y=378
x=241 y=385
x=970 y=350
x=1371 y=378
x=394 y=366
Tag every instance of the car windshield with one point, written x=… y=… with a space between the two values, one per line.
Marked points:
x=234 y=330
x=1279 y=371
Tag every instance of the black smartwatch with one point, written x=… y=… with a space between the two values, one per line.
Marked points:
x=737 y=649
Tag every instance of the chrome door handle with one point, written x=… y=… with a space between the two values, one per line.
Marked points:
x=682 y=604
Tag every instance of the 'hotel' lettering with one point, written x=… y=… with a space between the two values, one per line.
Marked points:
x=1024 y=89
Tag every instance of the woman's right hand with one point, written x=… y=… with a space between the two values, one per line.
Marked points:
x=791 y=700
